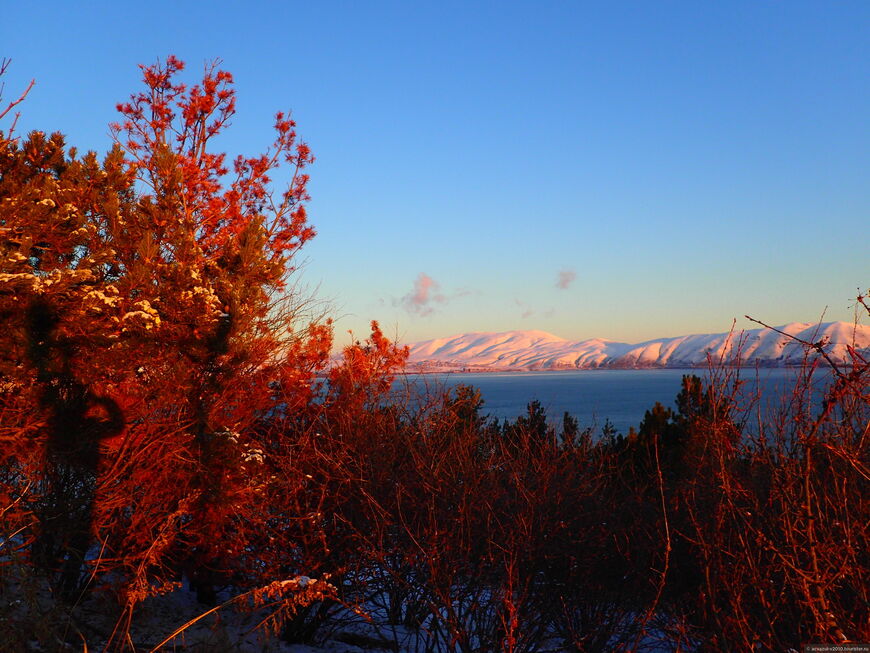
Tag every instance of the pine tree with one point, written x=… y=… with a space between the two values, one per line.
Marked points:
x=145 y=313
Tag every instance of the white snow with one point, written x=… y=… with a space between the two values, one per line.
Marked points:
x=539 y=350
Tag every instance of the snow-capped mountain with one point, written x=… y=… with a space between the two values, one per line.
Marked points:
x=539 y=350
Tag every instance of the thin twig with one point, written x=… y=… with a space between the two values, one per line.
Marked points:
x=817 y=346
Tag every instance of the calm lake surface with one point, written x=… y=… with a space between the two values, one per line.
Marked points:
x=593 y=396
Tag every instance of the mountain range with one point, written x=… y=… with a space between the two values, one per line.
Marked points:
x=539 y=350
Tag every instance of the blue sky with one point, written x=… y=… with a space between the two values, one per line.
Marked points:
x=679 y=164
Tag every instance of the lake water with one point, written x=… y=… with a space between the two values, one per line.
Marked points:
x=592 y=396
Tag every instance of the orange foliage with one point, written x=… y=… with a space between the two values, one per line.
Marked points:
x=146 y=313
x=366 y=371
x=167 y=413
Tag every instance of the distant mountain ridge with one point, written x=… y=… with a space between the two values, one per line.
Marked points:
x=539 y=350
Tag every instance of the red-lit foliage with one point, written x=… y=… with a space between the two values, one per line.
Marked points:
x=169 y=411
x=147 y=323
x=777 y=523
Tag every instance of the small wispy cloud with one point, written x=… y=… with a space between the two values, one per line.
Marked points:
x=527 y=312
x=566 y=278
x=423 y=297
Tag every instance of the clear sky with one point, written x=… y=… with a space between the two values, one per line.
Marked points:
x=627 y=170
